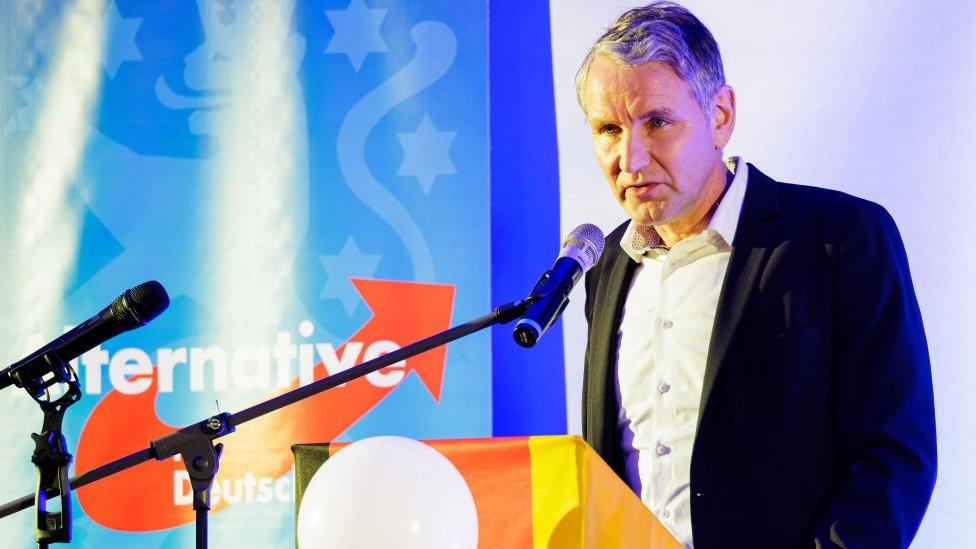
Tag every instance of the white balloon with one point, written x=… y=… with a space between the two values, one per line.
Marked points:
x=387 y=492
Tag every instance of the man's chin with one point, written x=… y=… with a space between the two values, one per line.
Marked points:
x=648 y=219
x=647 y=213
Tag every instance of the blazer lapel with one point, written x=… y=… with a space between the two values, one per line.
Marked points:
x=602 y=406
x=750 y=250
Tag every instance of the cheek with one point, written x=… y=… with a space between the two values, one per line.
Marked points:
x=607 y=157
x=692 y=154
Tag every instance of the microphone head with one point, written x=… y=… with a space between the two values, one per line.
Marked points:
x=584 y=244
x=137 y=306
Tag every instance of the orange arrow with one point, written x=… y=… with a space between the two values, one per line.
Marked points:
x=120 y=424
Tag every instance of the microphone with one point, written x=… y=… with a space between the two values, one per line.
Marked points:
x=581 y=249
x=134 y=308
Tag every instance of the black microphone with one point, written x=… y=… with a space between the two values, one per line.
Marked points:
x=134 y=308
x=581 y=250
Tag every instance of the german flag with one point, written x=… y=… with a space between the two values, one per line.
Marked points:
x=544 y=492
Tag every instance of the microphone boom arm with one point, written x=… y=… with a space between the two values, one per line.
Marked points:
x=195 y=442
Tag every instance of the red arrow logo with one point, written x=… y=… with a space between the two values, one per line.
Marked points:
x=402 y=312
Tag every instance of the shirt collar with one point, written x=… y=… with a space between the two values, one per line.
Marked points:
x=639 y=240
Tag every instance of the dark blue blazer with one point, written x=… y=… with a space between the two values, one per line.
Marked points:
x=816 y=418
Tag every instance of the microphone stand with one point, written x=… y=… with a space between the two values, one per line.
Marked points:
x=201 y=456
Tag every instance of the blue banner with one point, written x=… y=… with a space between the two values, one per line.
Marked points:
x=309 y=181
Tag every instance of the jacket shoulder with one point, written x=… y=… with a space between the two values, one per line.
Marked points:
x=806 y=200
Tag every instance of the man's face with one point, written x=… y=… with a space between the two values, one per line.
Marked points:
x=659 y=152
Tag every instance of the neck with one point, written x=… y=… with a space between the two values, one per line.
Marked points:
x=700 y=216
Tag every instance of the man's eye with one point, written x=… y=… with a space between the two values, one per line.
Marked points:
x=609 y=129
x=659 y=122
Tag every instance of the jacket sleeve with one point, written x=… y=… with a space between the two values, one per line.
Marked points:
x=883 y=411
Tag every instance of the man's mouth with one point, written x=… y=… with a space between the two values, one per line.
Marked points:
x=638 y=190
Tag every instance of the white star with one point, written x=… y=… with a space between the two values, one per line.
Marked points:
x=426 y=153
x=122 y=40
x=357 y=32
x=350 y=262
x=28 y=94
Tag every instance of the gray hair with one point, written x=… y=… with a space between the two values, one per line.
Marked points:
x=667 y=32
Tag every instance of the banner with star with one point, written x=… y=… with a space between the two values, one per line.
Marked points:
x=309 y=181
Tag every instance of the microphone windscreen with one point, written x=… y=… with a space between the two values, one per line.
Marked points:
x=587 y=241
x=144 y=302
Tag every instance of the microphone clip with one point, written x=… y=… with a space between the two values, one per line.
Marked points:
x=51 y=457
x=37 y=376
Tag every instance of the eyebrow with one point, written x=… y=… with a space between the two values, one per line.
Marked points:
x=657 y=113
x=660 y=112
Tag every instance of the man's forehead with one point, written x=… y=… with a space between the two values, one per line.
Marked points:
x=650 y=87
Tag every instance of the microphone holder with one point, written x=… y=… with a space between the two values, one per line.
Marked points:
x=51 y=457
x=201 y=456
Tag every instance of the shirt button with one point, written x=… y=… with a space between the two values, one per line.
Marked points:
x=663 y=388
x=663 y=450
x=665 y=514
x=666 y=324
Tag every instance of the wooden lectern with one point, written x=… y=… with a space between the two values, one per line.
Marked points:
x=544 y=492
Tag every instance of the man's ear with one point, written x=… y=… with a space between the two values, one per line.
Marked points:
x=723 y=116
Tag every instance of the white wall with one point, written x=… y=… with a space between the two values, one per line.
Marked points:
x=873 y=98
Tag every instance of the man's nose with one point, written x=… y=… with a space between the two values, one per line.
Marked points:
x=634 y=156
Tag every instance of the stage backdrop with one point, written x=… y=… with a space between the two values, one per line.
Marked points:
x=310 y=182
x=317 y=182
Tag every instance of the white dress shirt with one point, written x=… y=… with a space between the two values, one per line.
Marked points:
x=663 y=342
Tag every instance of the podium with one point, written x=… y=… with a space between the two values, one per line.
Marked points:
x=541 y=492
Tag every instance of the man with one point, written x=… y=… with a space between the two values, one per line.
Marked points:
x=756 y=367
